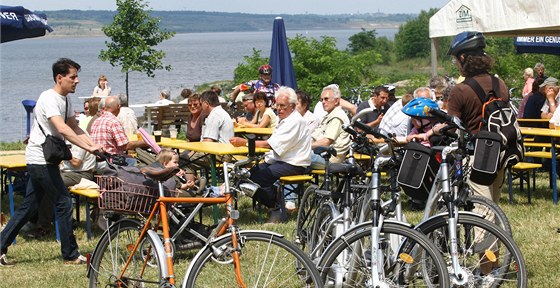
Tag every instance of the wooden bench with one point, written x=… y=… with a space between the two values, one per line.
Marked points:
x=522 y=170
x=164 y=116
x=298 y=180
x=91 y=195
x=540 y=154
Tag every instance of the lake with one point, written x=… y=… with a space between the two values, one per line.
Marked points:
x=196 y=58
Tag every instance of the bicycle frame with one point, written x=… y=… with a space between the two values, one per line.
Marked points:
x=159 y=211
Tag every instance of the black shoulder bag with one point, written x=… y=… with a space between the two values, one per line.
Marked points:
x=55 y=149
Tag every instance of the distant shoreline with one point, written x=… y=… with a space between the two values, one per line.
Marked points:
x=61 y=31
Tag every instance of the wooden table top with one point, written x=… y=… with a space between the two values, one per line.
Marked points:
x=12 y=161
x=540 y=131
x=214 y=148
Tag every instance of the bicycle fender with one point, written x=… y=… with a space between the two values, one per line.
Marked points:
x=137 y=222
x=420 y=226
x=160 y=252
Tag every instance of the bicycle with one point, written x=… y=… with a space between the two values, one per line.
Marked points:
x=131 y=252
x=477 y=251
x=382 y=252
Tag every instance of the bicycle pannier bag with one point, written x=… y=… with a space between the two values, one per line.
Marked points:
x=418 y=171
x=55 y=150
x=486 y=157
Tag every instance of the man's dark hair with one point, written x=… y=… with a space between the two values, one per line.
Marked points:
x=304 y=98
x=210 y=97
x=380 y=89
x=260 y=96
x=536 y=84
x=62 y=66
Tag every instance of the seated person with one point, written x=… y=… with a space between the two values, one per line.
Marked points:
x=82 y=165
x=108 y=131
x=164 y=98
x=264 y=117
x=329 y=131
x=169 y=158
x=291 y=147
x=378 y=103
x=195 y=120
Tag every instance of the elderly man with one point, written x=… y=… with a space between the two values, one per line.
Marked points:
x=291 y=146
x=109 y=132
x=329 y=131
x=378 y=102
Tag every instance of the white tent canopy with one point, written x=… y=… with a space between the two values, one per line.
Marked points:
x=495 y=18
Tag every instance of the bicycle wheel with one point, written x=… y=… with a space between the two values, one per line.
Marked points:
x=306 y=215
x=111 y=255
x=265 y=260
x=415 y=263
x=489 y=210
x=487 y=255
x=324 y=230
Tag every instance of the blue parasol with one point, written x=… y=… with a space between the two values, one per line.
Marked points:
x=537 y=44
x=17 y=23
x=280 y=57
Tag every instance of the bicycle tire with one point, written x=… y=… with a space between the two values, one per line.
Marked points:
x=265 y=260
x=112 y=253
x=489 y=242
x=488 y=205
x=323 y=232
x=427 y=268
x=306 y=214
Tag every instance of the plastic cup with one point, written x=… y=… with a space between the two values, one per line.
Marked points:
x=173 y=134
x=157 y=135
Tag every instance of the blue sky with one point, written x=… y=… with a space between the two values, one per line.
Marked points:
x=248 y=6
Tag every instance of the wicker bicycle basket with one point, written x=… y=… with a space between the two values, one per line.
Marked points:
x=118 y=195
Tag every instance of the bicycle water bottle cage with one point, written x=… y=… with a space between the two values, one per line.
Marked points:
x=325 y=151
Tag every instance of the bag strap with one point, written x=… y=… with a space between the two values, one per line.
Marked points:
x=480 y=92
x=65 y=114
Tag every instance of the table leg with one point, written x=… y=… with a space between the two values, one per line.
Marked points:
x=553 y=172
x=88 y=222
x=214 y=183
x=10 y=194
x=149 y=112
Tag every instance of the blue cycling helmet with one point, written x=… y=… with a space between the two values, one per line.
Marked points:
x=468 y=41
x=420 y=108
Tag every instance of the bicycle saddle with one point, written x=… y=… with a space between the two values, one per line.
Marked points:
x=346 y=168
x=159 y=174
x=325 y=151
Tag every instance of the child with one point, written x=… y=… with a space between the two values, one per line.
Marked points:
x=170 y=158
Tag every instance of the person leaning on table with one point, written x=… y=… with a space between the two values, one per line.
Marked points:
x=291 y=147
x=44 y=178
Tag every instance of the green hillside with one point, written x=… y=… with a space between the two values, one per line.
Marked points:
x=80 y=22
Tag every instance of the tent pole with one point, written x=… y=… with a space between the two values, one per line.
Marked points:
x=433 y=44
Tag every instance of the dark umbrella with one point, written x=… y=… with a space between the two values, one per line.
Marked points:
x=280 y=57
x=537 y=44
x=19 y=23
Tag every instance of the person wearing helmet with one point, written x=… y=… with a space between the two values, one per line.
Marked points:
x=467 y=52
x=422 y=121
x=263 y=84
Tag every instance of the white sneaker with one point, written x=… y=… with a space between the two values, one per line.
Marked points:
x=290 y=206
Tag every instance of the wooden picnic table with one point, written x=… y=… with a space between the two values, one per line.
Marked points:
x=9 y=164
x=553 y=134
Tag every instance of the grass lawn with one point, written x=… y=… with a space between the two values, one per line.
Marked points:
x=534 y=227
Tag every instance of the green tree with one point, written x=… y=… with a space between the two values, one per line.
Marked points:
x=134 y=34
x=413 y=38
x=362 y=41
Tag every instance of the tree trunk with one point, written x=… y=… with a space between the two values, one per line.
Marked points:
x=126 y=85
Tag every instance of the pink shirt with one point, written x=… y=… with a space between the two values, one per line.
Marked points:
x=108 y=131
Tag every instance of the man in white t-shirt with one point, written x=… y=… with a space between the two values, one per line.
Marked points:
x=54 y=116
x=291 y=147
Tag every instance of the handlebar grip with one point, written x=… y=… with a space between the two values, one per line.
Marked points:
x=440 y=114
x=349 y=130
x=251 y=144
x=368 y=130
x=101 y=155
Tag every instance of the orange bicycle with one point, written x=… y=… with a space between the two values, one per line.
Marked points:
x=131 y=252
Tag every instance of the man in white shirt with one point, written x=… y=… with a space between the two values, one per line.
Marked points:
x=54 y=116
x=291 y=147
